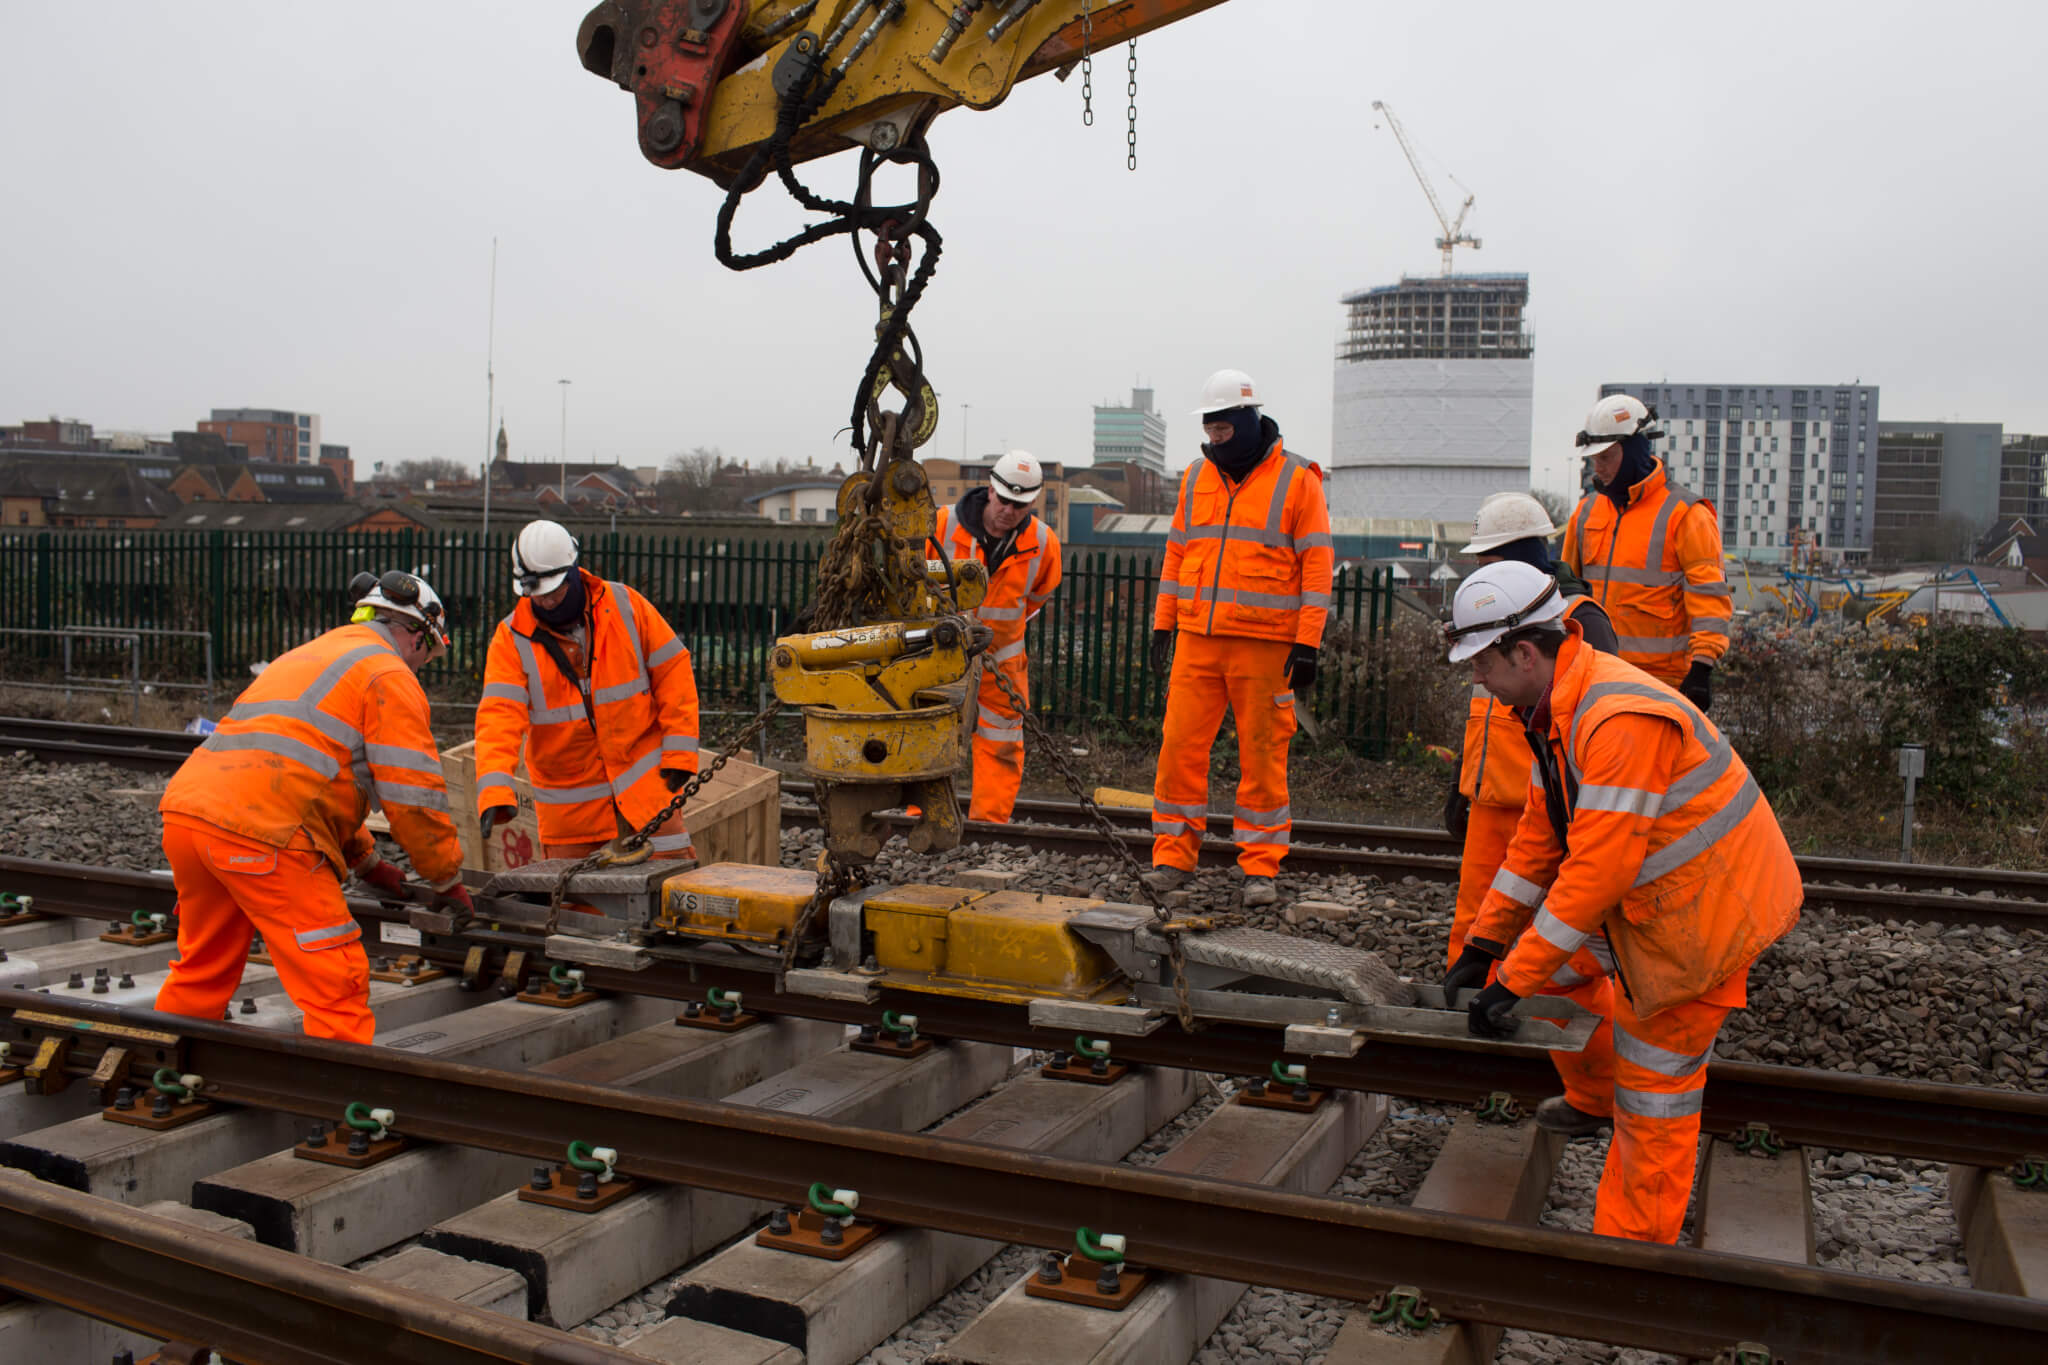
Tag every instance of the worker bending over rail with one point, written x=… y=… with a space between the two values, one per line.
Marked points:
x=1493 y=790
x=608 y=717
x=996 y=526
x=1245 y=587
x=267 y=815
x=1652 y=848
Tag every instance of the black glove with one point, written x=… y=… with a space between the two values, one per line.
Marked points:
x=496 y=815
x=1162 y=650
x=1698 y=687
x=1457 y=813
x=1301 y=667
x=1469 y=970
x=675 y=778
x=1491 y=1013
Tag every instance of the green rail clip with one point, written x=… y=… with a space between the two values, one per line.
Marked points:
x=1499 y=1107
x=1403 y=1306
x=1757 y=1139
x=2031 y=1173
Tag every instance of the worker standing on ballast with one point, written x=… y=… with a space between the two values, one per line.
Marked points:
x=1245 y=588
x=1653 y=848
x=1493 y=790
x=996 y=526
x=1650 y=553
x=589 y=677
x=266 y=817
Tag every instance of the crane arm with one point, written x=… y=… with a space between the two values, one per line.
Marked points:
x=708 y=76
x=1386 y=111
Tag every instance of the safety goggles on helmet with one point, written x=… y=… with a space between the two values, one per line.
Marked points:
x=1013 y=492
x=404 y=593
x=528 y=581
x=1502 y=624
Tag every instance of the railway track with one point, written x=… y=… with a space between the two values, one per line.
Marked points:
x=1686 y=1301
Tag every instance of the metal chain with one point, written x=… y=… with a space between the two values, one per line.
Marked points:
x=630 y=842
x=1131 y=134
x=1087 y=66
x=1168 y=927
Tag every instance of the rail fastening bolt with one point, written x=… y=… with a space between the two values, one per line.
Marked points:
x=831 y=1234
x=316 y=1136
x=248 y=1004
x=1052 y=1272
x=124 y=1098
x=586 y=1185
x=127 y=978
x=778 y=1223
x=543 y=1178
x=76 y=983
x=358 y=1143
x=160 y=1107
x=1108 y=1282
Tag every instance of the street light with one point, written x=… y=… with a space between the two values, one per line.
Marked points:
x=963 y=429
x=562 y=468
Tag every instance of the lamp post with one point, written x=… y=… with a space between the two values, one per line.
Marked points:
x=964 y=407
x=562 y=468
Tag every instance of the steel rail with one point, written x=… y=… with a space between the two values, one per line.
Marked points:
x=122 y=746
x=254 y=1303
x=1660 y=1298
x=1082 y=841
x=1924 y=1120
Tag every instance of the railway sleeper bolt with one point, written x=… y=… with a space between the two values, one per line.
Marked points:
x=124 y=1098
x=316 y=1135
x=127 y=978
x=76 y=983
x=1110 y=1280
x=248 y=1004
x=1054 y=1269
x=543 y=1177
x=160 y=1107
x=778 y=1222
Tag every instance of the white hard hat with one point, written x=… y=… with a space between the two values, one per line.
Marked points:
x=1612 y=418
x=1017 y=477
x=1497 y=599
x=1227 y=389
x=542 y=557
x=1507 y=516
x=399 y=593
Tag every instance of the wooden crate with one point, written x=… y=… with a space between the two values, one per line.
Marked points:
x=736 y=817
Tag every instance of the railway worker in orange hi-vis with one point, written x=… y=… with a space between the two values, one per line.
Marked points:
x=1493 y=790
x=1650 y=553
x=266 y=817
x=1245 y=589
x=1645 y=841
x=586 y=675
x=995 y=525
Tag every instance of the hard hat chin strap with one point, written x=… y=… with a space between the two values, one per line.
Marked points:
x=1508 y=622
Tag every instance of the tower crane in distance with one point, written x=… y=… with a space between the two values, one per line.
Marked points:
x=1454 y=232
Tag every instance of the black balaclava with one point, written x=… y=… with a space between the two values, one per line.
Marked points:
x=994 y=549
x=1251 y=436
x=1637 y=464
x=567 y=612
x=1531 y=550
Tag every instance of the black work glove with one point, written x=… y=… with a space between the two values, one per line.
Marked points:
x=1457 y=813
x=1301 y=667
x=675 y=778
x=496 y=815
x=1698 y=687
x=1162 y=650
x=1490 y=1014
x=1470 y=969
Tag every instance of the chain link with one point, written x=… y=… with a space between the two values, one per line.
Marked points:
x=1131 y=133
x=632 y=842
x=1087 y=65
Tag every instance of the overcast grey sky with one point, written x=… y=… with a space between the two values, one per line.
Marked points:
x=292 y=205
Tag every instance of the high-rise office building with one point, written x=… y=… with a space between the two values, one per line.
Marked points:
x=1131 y=435
x=271 y=435
x=1790 y=468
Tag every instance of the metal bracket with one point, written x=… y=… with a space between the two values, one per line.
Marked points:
x=1757 y=1139
x=513 y=975
x=410 y=970
x=1403 y=1307
x=45 y=1075
x=1499 y=1107
x=562 y=1189
x=322 y=1146
x=473 y=968
x=1073 y=1278
x=808 y=1232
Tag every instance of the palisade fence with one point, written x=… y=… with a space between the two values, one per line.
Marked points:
x=262 y=593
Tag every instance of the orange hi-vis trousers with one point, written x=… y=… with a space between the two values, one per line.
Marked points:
x=230 y=888
x=1210 y=673
x=998 y=744
x=583 y=849
x=1588 y=1076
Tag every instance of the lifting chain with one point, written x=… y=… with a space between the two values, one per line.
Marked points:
x=1170 y=928
x=622 y=849
x=1131 y=133
x=1087 y=65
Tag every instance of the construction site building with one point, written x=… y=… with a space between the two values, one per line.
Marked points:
x=1433 y=397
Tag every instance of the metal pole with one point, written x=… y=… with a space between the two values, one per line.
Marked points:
x=490 y=383
x=963 y=429
x=563 y=468
x=1912 y=767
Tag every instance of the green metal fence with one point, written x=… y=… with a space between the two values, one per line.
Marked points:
x=260 y=594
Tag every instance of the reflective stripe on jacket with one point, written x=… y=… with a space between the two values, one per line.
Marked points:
x=327 y=731
x=1657 y=570
x=643 y=717
x=1251 y=558
x=1021 y=586
x=1494 y=768
x=1674 y=852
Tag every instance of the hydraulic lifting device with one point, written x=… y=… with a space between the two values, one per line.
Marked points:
x=884 y=660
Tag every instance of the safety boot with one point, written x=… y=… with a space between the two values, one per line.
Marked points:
x=1557 y=1115
x=1163 y=879
x=1259 y=891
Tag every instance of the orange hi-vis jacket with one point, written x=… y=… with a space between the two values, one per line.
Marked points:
x=1673 y=851
x=1020 y=585
x=1494 y=769
x=325 y=732
x=1656 y=570
x=1252 y=558
x=588 y=753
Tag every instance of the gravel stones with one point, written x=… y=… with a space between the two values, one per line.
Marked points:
x=81 y=813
